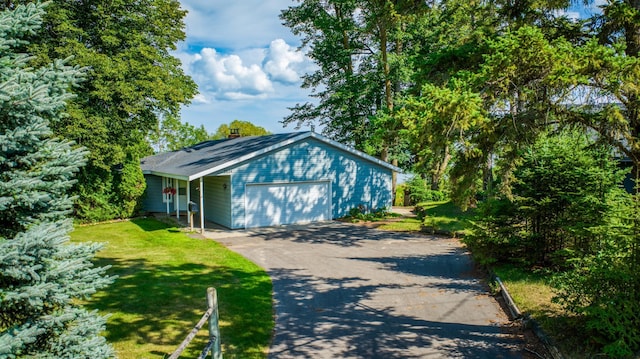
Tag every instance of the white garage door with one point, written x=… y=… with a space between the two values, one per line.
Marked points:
x=287 y=203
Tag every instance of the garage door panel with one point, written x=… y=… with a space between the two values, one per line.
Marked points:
x=277 y=204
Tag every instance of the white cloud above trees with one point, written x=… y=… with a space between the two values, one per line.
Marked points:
x=253 y=73
x=245 y=62
x=284 y=63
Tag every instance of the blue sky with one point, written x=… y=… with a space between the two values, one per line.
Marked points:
x=246 y=63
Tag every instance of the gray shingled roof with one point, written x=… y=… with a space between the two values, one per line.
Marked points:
x=214 y=156
x=198 y=158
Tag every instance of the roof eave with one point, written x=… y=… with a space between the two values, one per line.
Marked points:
x=164 y=174
x=249 y=156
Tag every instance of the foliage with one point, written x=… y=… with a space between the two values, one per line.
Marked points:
x=172 y=135
x=399 y=196
x=41 y=276
x=561 y=189
x=420 y=192
x=130 y=184
x=362 y=213
x=604 y=286
x=433 y=122
x=132 y=81
x=245 y=128
x=163 y=276
x=357 y=46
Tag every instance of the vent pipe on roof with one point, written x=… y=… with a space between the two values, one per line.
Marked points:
x=234 y=132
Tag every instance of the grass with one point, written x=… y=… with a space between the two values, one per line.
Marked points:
x=532 y=293
x=442 y=217
x=402 y=225
x=160 y=291
x=446 y=217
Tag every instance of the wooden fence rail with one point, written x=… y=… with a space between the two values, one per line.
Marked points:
x=213 y=345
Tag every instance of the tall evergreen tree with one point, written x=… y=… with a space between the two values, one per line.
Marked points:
x=41 y=276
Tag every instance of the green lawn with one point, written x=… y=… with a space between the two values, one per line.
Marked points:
x=446 y=216
x=532 y=293
x=402 y=225
x=160 y=291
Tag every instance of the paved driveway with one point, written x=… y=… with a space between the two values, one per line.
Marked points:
x=347 y=291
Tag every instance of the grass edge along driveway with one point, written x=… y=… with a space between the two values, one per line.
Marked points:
x=160 y=291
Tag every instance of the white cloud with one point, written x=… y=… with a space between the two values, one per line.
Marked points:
x=200 y=99
x=226 y=76
x=241 y=71
x=282 y=62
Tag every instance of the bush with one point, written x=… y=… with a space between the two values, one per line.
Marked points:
x=568 y=214
x=130 y=187
x=362 y=213
x=419 y=191
x=604 y=287
x=561 y=189
x=399 y=199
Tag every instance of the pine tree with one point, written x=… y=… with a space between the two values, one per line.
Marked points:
x=41 y=275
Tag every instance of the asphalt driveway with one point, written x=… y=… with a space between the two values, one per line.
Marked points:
x=347 y=291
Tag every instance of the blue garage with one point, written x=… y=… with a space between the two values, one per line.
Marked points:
x=272 y=180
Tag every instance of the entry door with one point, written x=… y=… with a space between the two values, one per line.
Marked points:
x=275 y=204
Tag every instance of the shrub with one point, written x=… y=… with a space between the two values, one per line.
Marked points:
x=419 y=191
x=561 y=190
x=362 y=213
x=604 y=287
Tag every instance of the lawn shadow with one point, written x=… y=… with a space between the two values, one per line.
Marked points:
x=160 y=304
x=150 y=224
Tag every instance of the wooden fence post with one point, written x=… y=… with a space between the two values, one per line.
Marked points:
x=214 y=328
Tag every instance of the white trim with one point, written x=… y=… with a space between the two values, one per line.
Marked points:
x=202 y=205
x=177 y=201
x=165 y=174
x=188 y=201
x=231 y=201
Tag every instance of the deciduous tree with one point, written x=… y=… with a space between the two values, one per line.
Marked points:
x=132 y=82
x=245 y=128
x=172 y=134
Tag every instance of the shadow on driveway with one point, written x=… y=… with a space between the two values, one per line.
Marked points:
x=344 y=291
x=340 y=322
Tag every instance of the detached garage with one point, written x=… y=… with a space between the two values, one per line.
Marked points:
x=259 y=181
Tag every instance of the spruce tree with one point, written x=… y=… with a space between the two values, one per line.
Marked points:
x=42 y=277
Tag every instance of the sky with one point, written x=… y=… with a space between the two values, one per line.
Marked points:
x=247 y=64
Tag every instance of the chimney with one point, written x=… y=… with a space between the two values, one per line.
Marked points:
x=234 y=132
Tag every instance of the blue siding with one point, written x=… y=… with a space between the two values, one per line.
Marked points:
x=152 y=201
x=217 y=200
x=354 y=181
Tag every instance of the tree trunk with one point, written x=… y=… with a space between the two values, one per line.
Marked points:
x=439 y=171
